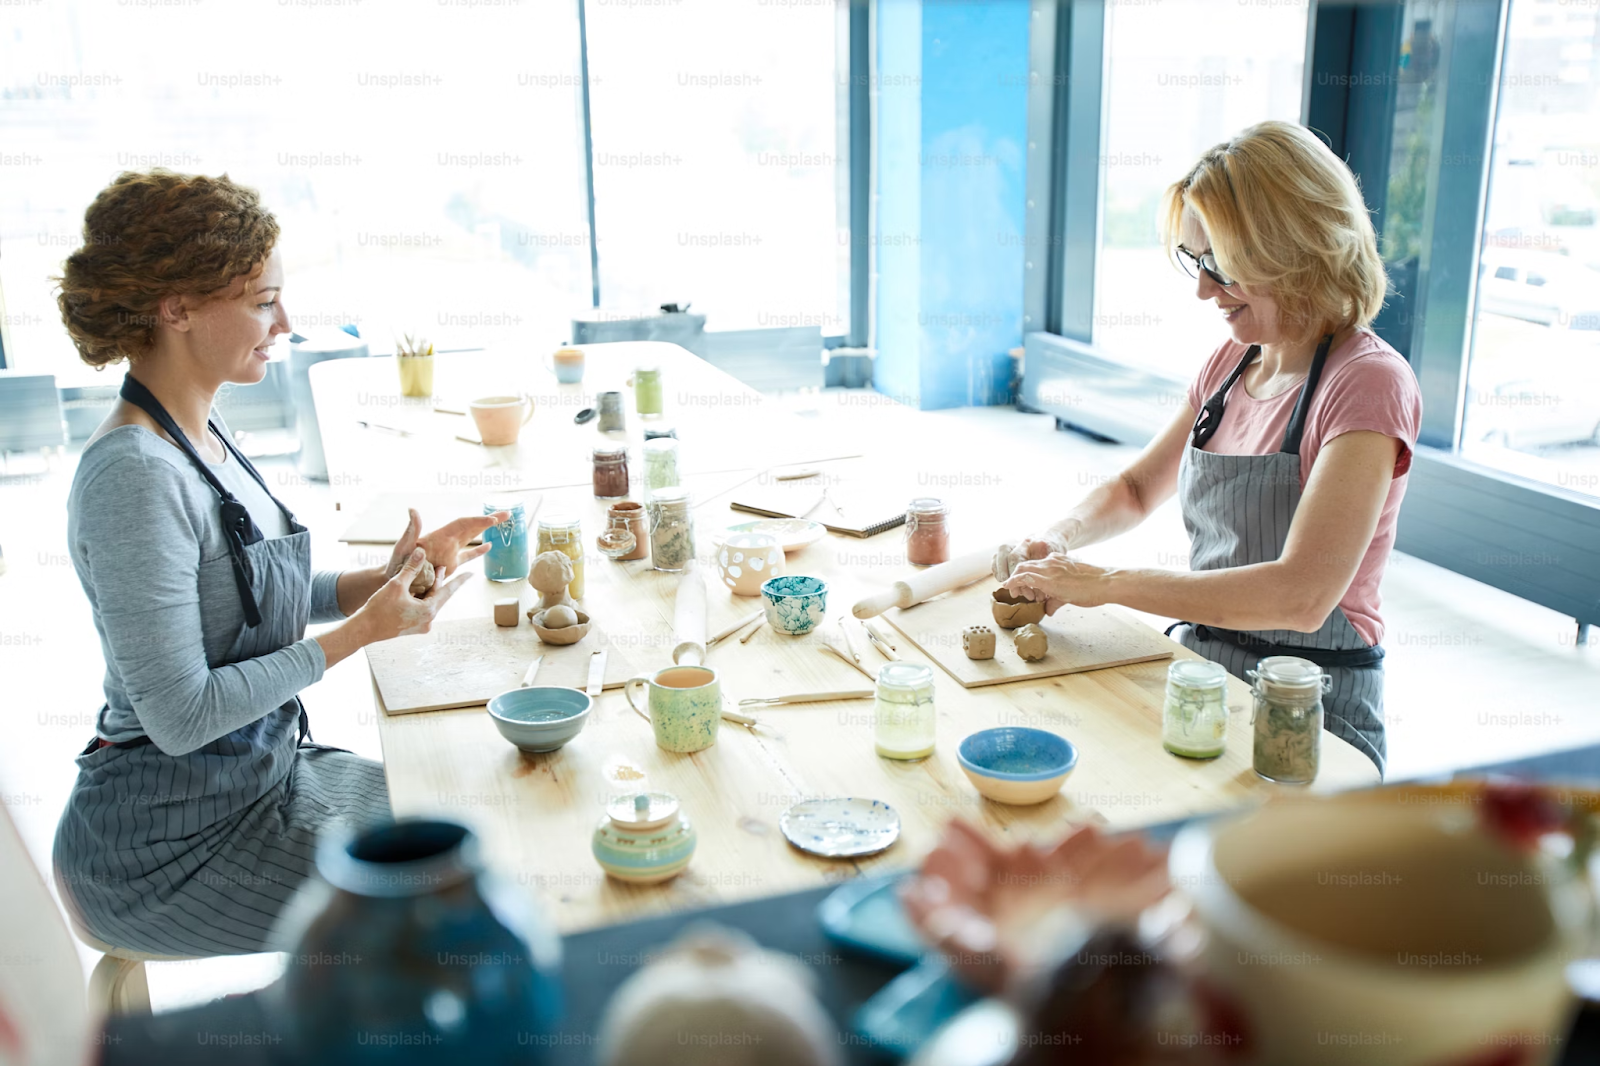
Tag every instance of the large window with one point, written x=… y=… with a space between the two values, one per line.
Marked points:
x=1180 y=78
x=717 y=157
x=1532 y=404
x=425 y=162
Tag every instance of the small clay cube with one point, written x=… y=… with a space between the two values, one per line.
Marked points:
x=978 y=642
x=1032 y=643
x=505 y=612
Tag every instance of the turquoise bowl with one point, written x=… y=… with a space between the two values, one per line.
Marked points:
x=541 y=718
x=794 y=603
x=1017 y=765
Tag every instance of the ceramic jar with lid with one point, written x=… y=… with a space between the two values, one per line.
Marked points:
x=643 y=838
x=1288 y=718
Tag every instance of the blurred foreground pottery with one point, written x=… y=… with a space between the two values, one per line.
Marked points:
x=406 y=950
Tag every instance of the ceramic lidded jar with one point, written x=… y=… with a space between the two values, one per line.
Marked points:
x=643 y=838
x=406 y=941
x=747 y=559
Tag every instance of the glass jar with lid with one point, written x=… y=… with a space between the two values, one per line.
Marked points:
x=610 y=472
x=507 y=557
x=1288 y=718
x=1194 y=716
x=562 y=533
x=927 y=539
x=903 y=719
x=647 y=398
x=671 y=530
x=660 y=465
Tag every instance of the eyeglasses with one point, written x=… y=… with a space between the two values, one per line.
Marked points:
x=1205 y=262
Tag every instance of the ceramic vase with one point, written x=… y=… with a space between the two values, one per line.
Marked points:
x=407 y=950
x=747 y=560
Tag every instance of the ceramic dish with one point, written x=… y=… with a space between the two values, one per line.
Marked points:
x=541 y=718
x=795 y=604
x=792 y=533
x=840 y=828
x=1017 y=765
x=866 y=915
x=565 y=635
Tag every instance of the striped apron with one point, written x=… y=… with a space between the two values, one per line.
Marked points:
x=196 y=854
x=1237 y=509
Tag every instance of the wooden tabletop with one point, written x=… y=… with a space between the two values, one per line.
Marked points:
x=536 y=813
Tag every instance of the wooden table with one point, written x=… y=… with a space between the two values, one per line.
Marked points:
x=535 y=813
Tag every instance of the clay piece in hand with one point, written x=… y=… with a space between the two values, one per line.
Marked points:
x=505 y=613
x=551 y=573
x=424 y=579
x=1013 y=611
x=1032 y=643
x=978 y=642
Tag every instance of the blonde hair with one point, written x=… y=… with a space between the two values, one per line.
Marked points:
x=1286 y=217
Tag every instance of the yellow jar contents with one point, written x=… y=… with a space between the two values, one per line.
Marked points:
x=904 y=723
x=561 y=533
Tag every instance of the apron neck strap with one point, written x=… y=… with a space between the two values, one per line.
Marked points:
x=1210 y=416
x=1297 y=421
x=238 y=527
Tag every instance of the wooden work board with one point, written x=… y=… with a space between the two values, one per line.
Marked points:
x=1080 y=639
x=469 y=661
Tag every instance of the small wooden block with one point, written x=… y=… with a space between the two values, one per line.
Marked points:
x=505 y=612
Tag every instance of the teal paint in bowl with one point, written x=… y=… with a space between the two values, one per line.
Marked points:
x=1017 y=765
x=541 y=718
x=795 y=604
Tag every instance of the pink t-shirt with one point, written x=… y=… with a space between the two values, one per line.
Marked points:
x=1366 y=385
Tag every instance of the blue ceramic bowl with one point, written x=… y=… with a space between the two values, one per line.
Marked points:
x=794 y=603
x=541 y=718
x=1016 y=765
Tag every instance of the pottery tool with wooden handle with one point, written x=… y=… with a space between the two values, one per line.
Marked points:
x=925 y=585
x=754 y=629
x=740 y=624
x=811 y=697
x=689 y=619
x=833 y=642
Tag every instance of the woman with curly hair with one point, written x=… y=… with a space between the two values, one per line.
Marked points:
x=198 y=803
x=1290 y=458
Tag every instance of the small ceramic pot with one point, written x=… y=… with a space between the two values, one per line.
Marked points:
x=1017 y=765
x=795 y=604
x=568 y=365
x=747 y=560
x=643 y=838
x=540 y=718
x=566 y=634
x=1010 y=612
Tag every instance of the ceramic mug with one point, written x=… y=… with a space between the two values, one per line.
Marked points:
x=1383 y=927
x=567 y=365
x=745 y=560
x=500 y=418
x=684 y=706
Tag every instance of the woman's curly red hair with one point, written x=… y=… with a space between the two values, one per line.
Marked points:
x=153 y=234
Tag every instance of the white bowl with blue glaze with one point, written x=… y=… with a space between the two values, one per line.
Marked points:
x=794 y=603
x=540 y=718
x=1017 y=765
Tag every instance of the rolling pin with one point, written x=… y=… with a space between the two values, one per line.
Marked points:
x=689 y=619
x=926 y=584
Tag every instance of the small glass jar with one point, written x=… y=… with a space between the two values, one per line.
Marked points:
x=927 y=539
x=507 y=557
x=647 y=392
x=626 y=524
x=610 y=472
x=1194 y=718
x=611 y=417
x=671 y=530
x=562 y=533
x=903 y=720
x=1288 y=718
x=660 y=465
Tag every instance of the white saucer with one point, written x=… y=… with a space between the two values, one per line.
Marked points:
x=843 y=828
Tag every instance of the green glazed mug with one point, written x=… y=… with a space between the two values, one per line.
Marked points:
x=684 y=706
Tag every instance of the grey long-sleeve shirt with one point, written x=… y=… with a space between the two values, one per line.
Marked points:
x=146 y=539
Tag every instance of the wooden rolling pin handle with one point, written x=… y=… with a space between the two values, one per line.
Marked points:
x=926 y=584
x=896 y=595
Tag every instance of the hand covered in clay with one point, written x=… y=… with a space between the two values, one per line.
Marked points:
x=986 y=907
x=393 y=611
x=1009 y=556
x=448 y=547
x=1058 y=580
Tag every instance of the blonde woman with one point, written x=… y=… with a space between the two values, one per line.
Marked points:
x=1291 y=455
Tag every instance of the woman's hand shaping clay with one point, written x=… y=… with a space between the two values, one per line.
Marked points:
x=393 y=611
x=1009 y=556
x=1059 y=580
x=449 y=546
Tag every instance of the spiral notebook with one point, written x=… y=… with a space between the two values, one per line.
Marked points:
x=853 y=514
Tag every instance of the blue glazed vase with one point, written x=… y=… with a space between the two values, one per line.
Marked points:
x=408 y=951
